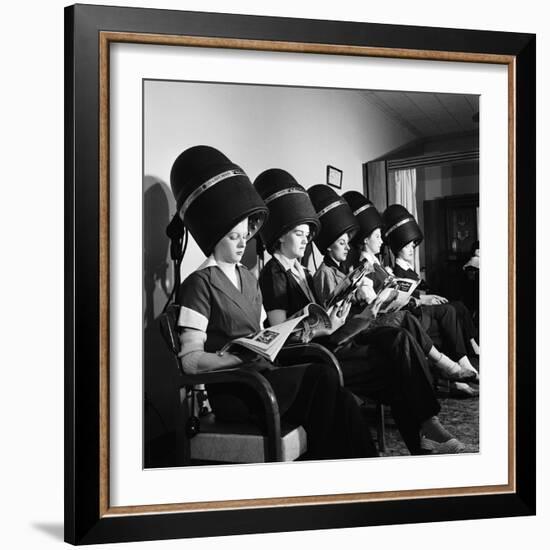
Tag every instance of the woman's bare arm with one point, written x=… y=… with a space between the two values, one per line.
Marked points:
x=195 y=360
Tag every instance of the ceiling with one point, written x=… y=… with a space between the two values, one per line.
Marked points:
x=427 y=114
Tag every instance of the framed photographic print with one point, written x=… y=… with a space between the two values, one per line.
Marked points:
x=441 y=124
x=334 y=177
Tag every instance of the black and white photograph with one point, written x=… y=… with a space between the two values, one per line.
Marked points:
x=246 y=221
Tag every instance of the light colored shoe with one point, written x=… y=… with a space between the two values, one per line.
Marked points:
x=462 y=390
x=471 y=374
x=450 y=447
x=455 y=372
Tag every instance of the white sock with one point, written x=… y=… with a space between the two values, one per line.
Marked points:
x=462 y=386
x=464 y=362
x=441 y=360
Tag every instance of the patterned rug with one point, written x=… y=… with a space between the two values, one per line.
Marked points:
x=460 y=416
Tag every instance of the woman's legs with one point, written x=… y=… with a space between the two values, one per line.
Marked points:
x=442 y=321
x=310 y=395
x=437 y=439
x=446 y=367
x=393 y=367
x=413 y=325
x=468 y=329
x=412 y=398
x=419 y=400
x=331 y=417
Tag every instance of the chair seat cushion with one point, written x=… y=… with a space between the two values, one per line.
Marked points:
x=242 y=443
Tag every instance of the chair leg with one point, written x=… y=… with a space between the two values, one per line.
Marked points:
x=441 y=385
x=183 y=448
x=380 y=427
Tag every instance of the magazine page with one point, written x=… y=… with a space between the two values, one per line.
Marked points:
x=268 y=342
x=397 y=300
x=316 y=318
x=350 y=284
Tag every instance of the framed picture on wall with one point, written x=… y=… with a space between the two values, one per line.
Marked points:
x=334 y=177
x=137 y=95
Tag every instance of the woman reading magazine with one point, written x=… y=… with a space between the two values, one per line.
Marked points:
x=386 y=363
x=450 y=321
x=221 y=301
x=368 y=243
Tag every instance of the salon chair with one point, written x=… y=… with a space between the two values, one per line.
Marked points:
x=204 y=439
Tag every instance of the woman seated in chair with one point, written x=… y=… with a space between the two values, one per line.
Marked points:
x=368 y=243
x=451 y=320
x=221 y=301
x=389 y=364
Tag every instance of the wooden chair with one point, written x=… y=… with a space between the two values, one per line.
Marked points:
x=245 y=442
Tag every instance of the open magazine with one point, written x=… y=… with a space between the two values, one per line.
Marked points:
x=394 y=302
x=347 y=287
x=268 y=342
x=403 y=289
x=397 y=293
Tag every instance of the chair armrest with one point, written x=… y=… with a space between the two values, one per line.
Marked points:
x=261 y=386
x=294 y=353
x=237 y=374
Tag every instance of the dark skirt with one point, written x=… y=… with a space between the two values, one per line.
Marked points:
x=388 y=364
x=309 y=394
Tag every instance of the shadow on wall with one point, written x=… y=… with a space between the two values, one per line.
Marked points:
x=161 y=398
x=156 y=268
x=159 y=366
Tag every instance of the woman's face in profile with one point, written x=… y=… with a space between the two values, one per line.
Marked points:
x=230 y=248
x=373 y=243
x=293 y=244
x=339 y=248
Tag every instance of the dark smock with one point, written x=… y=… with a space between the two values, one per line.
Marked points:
x=385 y=363
x=309 y=394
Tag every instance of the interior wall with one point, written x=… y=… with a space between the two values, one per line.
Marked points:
x=257 y=127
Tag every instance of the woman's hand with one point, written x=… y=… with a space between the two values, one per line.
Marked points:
x=388 y=294
x=229 y=360
x=432 y=300
x=339 y=313
x=365 y=292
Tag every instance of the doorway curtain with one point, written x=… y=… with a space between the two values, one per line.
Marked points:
x=404 y=193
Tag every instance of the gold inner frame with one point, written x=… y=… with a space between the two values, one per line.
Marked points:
x=105 y=39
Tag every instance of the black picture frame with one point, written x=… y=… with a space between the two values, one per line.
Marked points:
x=334 y=176
x=88 y=517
